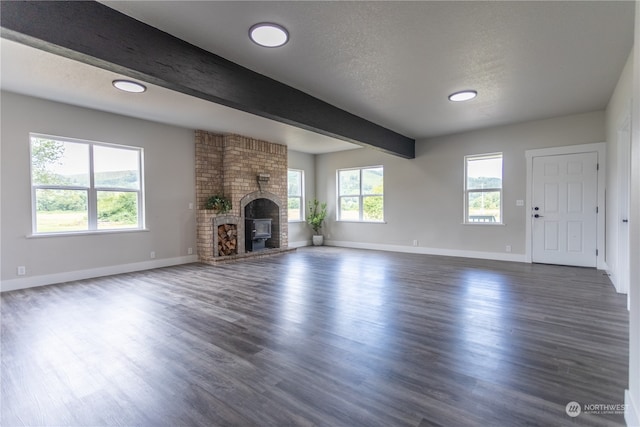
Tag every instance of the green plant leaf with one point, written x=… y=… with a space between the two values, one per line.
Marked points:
x=317 y=214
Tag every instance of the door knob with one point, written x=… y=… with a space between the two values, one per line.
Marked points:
x=538 y=216
x=625 y=220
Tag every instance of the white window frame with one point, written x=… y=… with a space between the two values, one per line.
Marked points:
x=301 y=196
x=360 y=196
x=92 y=190
x=486 y=156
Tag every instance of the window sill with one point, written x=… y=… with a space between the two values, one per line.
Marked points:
x=299 y=221
x=490 y=224
x=361 y=222
x=85 y=233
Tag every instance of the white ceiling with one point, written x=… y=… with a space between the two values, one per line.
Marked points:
x=393 y=63
x=41 y=74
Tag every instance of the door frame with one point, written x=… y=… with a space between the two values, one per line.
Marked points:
x=621 y=279
x=598 y=147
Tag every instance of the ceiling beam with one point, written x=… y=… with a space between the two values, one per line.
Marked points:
x=95 y=34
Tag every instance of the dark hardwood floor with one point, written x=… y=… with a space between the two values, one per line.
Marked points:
x=317 y=337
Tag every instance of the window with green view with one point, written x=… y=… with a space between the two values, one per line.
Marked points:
x=295 y=201
x=483 y=189
x=361 y=194
x=81 y=186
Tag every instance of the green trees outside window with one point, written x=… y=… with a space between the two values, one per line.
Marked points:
x=295 y=192
x=483 y=188
x=361 y=194
x=84 y=186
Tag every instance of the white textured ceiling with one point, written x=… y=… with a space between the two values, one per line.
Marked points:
x=33 y=72
x=394 y=63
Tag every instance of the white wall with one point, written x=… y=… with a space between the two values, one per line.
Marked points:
x=632 y=398
x=424 y=196
x=299 y=231
x=618 y=111
x=169 y=188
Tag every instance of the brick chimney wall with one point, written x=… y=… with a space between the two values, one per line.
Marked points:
x=229 y=165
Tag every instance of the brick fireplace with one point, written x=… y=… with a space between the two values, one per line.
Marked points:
x=230 y=165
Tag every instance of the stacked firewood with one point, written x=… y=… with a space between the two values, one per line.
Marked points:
x=227 y=239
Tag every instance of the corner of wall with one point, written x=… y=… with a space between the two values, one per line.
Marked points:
x=632 y=411
x=632 y=395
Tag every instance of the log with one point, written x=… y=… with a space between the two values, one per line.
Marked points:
x=227 y=239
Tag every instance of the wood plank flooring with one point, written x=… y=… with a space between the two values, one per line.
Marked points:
x=318 y=337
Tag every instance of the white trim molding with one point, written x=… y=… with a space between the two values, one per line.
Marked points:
x=300 y=244
x=601 y=149
x=631 y=411
x=496 y=256
x=50 y=279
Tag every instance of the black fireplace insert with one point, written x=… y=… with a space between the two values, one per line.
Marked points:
x=257 y=232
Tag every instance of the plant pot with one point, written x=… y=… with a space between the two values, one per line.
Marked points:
x=318 y=240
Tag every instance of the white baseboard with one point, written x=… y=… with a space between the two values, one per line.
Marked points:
x=300 y=244
x=612 y=277
x=632 y=410
x=50 y=279
x=497 y=256
x=614 y=280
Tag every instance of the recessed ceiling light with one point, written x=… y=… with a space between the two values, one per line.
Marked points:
x=129 y=86
x=269 y=35
x=464 y=95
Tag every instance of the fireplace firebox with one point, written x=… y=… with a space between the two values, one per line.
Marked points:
x=257 y=232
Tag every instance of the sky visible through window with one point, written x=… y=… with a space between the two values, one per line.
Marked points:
x=487 y=168
x=484 y=189
x=83 y=186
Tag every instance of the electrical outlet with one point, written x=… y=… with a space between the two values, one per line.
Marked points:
x=415 y=243
x=189 y=251
x=22 y=270
x=190 y=205
x=508 y=248
x=152 y=255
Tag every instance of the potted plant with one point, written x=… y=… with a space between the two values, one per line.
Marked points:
x=315 y=218
x=218 y=203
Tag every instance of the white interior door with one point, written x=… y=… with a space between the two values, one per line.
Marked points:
x=564 y=209
x=624 y=170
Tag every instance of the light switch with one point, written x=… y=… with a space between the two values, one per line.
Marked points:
x=519 y=202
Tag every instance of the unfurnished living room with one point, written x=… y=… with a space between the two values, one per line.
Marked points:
x=310 y=213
